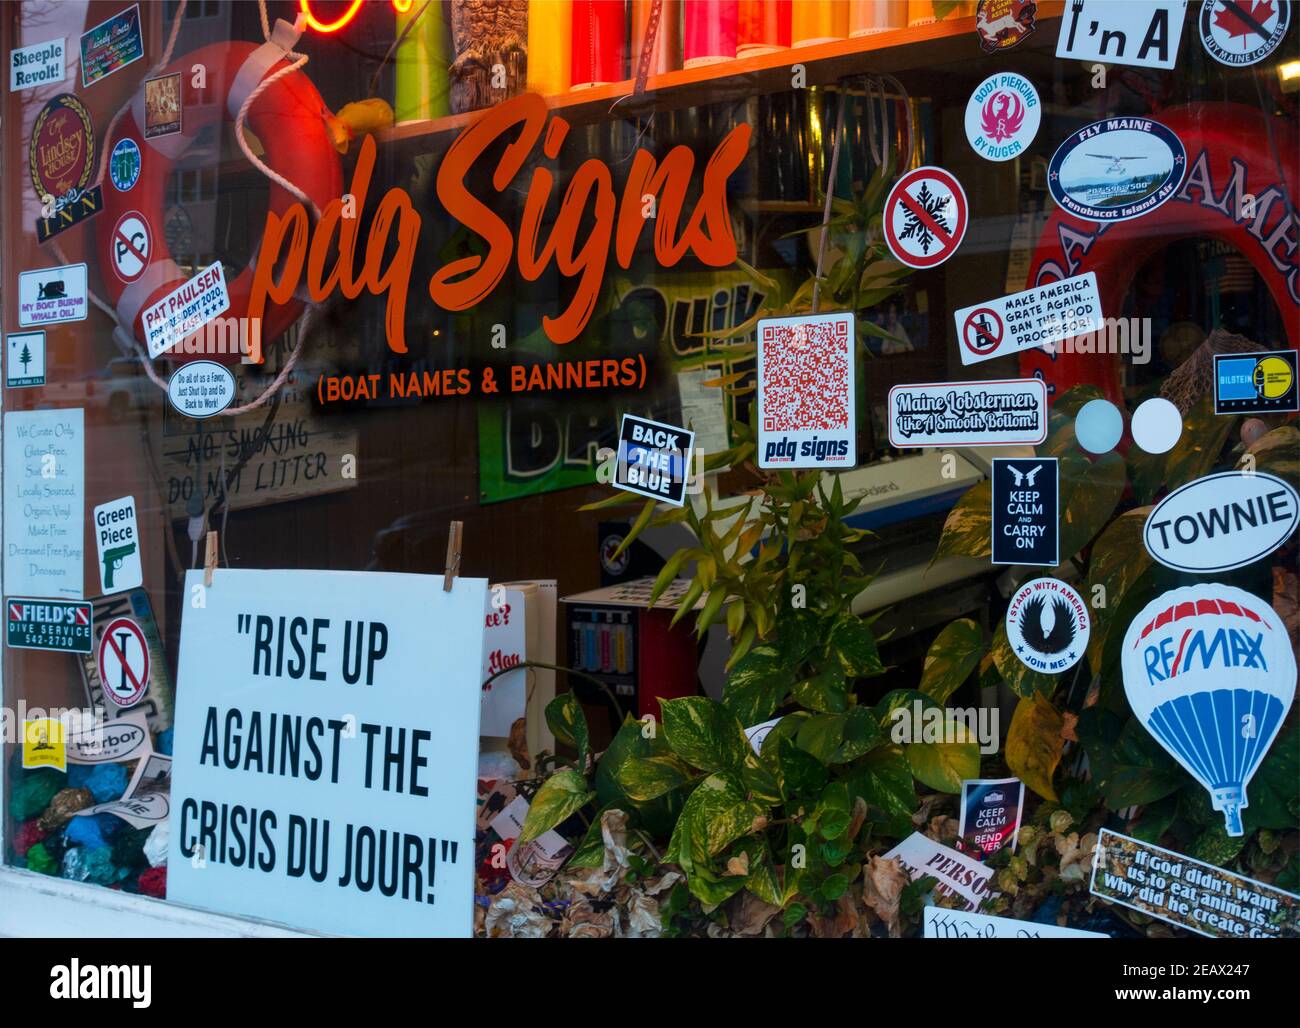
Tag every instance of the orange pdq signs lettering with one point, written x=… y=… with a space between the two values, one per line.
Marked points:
x=288 y=243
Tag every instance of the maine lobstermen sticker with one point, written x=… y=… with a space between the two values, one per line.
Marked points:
x=1002 y=116
x=1002 y=413
x=1116 y=169
x=1241 y=32
x=1222 y=522
x=1048 y=625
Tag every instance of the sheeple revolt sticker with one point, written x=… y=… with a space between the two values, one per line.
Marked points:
x=805 y=392
x=1002 y=116
x=653 y=459
x=36 y=65
x=1048 y=625
x=1209 y=672
x=1026 y=505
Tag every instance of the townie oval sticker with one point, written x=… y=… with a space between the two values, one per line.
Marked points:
x=1117 y=169
x=1222 y=522
x=201 y=389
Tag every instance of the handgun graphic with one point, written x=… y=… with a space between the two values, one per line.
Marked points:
x=113 y=561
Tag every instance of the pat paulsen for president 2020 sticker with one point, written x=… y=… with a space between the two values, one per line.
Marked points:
x=1002 y=116
x=1048 y=626
x=653 y=459
x=1116 y=169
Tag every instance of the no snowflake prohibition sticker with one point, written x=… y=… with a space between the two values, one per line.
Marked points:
x=925 y=217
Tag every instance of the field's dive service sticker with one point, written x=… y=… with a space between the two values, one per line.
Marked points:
x=39 y=624
x=1221 y=522
x=1048 y=625
x=1116 y=169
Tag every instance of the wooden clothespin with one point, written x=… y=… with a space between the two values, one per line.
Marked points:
x=454 y=531
x=209 y=559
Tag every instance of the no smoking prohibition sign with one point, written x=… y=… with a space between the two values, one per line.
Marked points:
x=925 y=217
x=124 y=662
x=131 y=245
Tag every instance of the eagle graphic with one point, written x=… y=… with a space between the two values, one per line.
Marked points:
x=1031 y=625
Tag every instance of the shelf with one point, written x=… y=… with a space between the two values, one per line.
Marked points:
x=953 y=39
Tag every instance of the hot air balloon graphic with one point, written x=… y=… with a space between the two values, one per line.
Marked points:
x=1209 y=671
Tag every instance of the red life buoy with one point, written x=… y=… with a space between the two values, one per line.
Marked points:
x=288 y=117
x=1228 y=158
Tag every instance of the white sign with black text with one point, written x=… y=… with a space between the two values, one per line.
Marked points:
x=41 y=64
x=1027 y=320
x=1136 y=32
x=117 y=537
x=326 y=750
x=996 y=413
x=653 y=459
x=941 y=923
x=48 y=296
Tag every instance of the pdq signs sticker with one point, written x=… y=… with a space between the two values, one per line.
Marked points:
x=1222 y=522
x=1116 y=169
x=1002 y=116
x=1209 y=672
x=1241 y=32
x=1048 y=625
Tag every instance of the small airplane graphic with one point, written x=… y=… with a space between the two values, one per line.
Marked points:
x=1027 y=476
x=1116 y=166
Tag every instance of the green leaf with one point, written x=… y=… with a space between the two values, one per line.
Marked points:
x=968 y=530
x=715 y=815
x=825 y=692
x=786 y=728
x=567 y=722
x=834 y=811
x=1197 y=451
x=821 y=735
x=1022 y=679
x=1278 y=453
x=884 y=780
x=1128 y=766
x=1216 y=846
x=655 y=815
x=648 y=778
x=638 y=526
x=760 y=781
x=861 y=735
x=1274 y=792
x=852 y=641
x=591 y=851
x=802 y=774
x=1090 y=491
x=757 y=683
x=1034 y=744
x=943 y=766
x=560 y=796
x=954 y=654
x=1155 y=820
x=704 y=733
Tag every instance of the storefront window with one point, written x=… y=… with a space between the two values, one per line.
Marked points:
x=673 y=467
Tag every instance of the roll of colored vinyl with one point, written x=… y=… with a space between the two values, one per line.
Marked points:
x=550 y=46
x=764 y=27
x=709 y=31
x=599 y=42
x=867 y=17
x=921 y=12
x=668 y=37
x=420 y=64
x=818 y=21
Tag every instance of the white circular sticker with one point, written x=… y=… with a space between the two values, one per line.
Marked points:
x=1002 y=116
x=1241 y=32
x=201 y=389
x=1048 y=626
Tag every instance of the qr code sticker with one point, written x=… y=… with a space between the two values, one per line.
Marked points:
x=805 y=376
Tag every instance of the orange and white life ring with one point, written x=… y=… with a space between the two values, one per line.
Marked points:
x=289 y=119
x=1229 y=159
